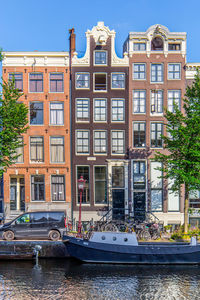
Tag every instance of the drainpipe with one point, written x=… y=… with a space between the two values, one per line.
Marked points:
x=72 y=43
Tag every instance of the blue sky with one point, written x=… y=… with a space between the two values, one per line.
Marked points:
x=28 y=25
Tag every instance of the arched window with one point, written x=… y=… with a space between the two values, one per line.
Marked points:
x=157 y=44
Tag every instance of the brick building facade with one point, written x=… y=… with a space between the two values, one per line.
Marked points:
x=40 y=179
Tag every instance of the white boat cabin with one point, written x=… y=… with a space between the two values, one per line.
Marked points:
x=115 y=238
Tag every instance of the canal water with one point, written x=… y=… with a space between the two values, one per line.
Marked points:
x=67 y=279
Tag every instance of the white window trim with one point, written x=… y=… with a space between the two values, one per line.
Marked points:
x=106 y=64
x=144 y=122
x=139 y=63
x=118 y=154
x=156 y=113
x=96 y=153
x=100 y=91
x=63 y=83
x=50 y=113
x=139 y=113
x=29 y=119
x=168 y=97
x=124 y=81
x=29 y=82
x=82 y=154
x=159 y=122
x=168 y=71
x=121 y=99
x=58 y=201
x=56 y=136
x=88 y=109
x=81 y=88
x=94 y=110
x=157 y=82
x=39 y=162
x=37 y=201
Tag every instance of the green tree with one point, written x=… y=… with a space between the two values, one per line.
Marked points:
x=13 y=121
x=182 y=162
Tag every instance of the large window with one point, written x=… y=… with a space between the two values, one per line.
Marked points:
x=83 y=171
x=174 y=47
x=100 y=184
x=139 y=71
x=36 y=149
x=139 y=177
x=82 y=80
x=100 y=82
x=57 y=188
x=56 y=113
x=173 y=197
x=36 y=82
x=118 y=142
x=174 y=71
x=156 y=132
x=57 y=149
x=18 y=78
x=56 y=83
x=100 y=110
x=139 y=134
x=118 y=110
x=20 y=151
x=156 y=73
x=82 y=110
x=194 y=197
x=37 y=188
x=100 y=57
x=139 y=101
x=82 y=141
x=156 y=187
x=139 y=46
x=36 y=113
x=156 y=101
x=100 y=142
x=174 y=97
x=118 y=81
x=118 y=177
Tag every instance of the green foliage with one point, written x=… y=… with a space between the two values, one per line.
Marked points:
x=13 y=120
x=179 y=235
x=182 y=163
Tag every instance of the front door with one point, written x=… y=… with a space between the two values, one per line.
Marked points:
x=17 y=193
x=139 y=206
x=118 y=204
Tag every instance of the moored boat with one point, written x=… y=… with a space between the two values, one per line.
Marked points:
x=123 y=248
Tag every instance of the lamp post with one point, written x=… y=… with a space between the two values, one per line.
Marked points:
x=81 y=185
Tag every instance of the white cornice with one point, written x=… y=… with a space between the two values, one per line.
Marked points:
x=100 y=33
x=40 y=59
x=191 y=70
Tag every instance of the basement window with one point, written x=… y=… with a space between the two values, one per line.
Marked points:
x=100 y=82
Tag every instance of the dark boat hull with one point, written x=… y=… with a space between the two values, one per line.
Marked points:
x=92 y=252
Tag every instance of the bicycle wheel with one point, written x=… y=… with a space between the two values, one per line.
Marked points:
x=111 y=227
x=145 y=235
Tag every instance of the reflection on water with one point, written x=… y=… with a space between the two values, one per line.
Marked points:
x=67 y=279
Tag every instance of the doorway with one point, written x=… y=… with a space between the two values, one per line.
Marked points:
x=17 y=193
x=118 y=204
x=139 y=200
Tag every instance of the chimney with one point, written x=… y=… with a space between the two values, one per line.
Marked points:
x=72 y=41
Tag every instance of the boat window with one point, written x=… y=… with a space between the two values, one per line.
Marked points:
x=114 y=238
x=125 y=240
x=103 y=237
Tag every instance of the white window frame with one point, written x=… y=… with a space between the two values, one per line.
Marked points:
x=100 y=91
x=83 y=204
x=94 y=107
x=114 y=153
x=169 y=72
x=83 y=121
x=117 y=88
x=106 y=139
x=145 y=71
x=171 y=99
x=94 y=185
x=117 y=99
x=82 y=88
x=162 y=127
x=56 y=102
x=139 y=91
x=158 y=64
x=155 y=100
x=94 y=60
x=83 y=130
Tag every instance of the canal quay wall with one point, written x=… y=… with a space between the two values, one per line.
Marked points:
x=49 y=249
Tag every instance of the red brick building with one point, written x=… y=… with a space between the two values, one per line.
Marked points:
x=157 y=60
x=40 y=179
